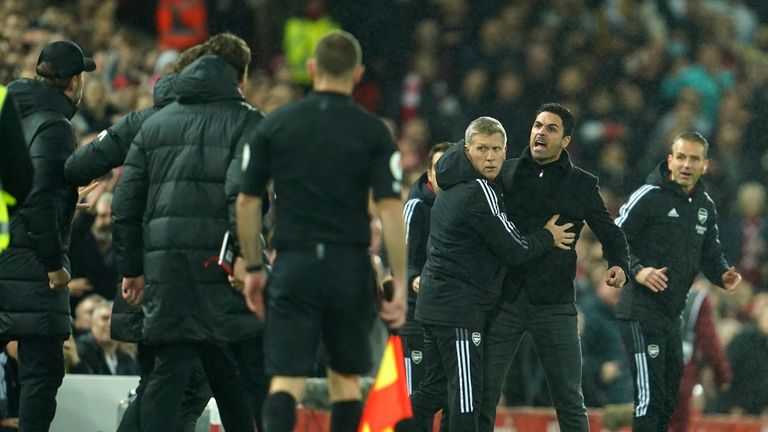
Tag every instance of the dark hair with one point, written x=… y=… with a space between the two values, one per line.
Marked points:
x=338 y=53
x=692 y=136
x=232 y=49
x=189 y=55
x=45 y=74
x=438 y=148
x=561 y=111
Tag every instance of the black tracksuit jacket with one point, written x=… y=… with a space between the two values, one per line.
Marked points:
x=416 y=213
x=470 y=244
x=666 y=227
x=533 y=193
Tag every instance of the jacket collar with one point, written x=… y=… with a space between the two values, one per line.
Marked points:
x=562 y=163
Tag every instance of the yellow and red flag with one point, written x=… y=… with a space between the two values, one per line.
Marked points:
x=388 y=400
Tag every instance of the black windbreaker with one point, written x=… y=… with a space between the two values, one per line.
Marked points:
x=532 y=194
x=40 y=230
x=173 y=205
x=470 y=244
x=108 y=150
x=416 y=213
x=666 y=227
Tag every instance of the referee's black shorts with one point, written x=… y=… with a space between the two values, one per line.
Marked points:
x=326 y=293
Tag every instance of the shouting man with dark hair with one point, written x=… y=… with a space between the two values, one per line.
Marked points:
x=538 y=297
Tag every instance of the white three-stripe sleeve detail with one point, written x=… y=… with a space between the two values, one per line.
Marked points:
x=633 y=199
x=408 y=209
x=490 y=196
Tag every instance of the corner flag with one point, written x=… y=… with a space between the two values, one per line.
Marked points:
x=388 y=400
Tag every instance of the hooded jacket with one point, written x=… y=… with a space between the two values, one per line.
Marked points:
x=470 y=244
x=533 y=193
x=108 y=150
x=416 y=213
x=666 y=227
x=40 y=230
x=171 y=208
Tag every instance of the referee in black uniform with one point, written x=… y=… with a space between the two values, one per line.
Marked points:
x=325 y=154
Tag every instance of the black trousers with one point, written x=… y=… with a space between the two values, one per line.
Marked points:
x=41 y=370
x=415 y=369
x=161 y=403
x=655 y=351
x=196 y=395
x=453 y=376
x=556 y=338
x=413 y=351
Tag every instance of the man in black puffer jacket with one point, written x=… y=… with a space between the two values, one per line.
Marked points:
x=171 y=211
x=34 y=270
x=93 y=161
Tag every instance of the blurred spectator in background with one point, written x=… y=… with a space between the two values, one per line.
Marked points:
x=606 y=378
x=707 y=76
x=181 y=23
x=98 y=353
x=96 y=113
x=83 y=312
x=747 y=353
x=745 y=234
x=93 y=261
x=300 y=36
x=701 y=349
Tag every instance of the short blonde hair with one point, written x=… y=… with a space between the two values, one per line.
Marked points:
x=486 y=126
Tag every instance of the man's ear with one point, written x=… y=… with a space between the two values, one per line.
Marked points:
x=311 y=66
x=566 y=141
x=358 y=74
x=72 y=85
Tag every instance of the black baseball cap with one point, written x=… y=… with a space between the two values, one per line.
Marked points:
x=67 y=59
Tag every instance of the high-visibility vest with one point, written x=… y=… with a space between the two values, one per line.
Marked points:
x=300 y=37
x=5 y=198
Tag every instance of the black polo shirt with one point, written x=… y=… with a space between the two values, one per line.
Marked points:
x=324 y=153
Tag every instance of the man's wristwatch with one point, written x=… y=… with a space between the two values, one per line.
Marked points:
x=254 y=268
